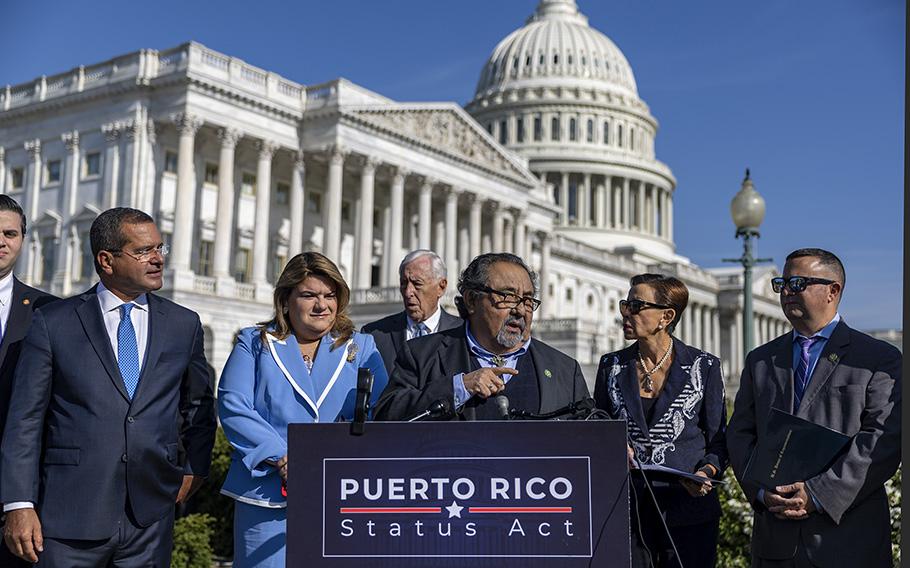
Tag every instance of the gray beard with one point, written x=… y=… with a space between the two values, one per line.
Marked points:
x=508 y=339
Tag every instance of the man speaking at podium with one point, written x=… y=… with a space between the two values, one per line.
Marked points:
x=490 y=365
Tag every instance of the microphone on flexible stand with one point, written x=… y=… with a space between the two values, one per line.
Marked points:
x=584 y=406
x=441 y=408
x=502 y=404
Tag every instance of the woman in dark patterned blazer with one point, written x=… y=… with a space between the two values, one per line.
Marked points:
x=672 y=397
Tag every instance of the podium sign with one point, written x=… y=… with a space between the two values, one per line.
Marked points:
x=529 y=494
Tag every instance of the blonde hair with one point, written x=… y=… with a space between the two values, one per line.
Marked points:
x=296 y=271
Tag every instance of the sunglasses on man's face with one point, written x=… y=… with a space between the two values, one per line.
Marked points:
x=796 y=284
x=632 y=307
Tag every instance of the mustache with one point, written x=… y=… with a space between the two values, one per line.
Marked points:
x=514 y=320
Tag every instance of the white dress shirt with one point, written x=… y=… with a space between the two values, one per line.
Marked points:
x=6 y=300
x=431 y=322
x=110 y=312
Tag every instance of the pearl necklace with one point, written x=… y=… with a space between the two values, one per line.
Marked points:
x=647 y=383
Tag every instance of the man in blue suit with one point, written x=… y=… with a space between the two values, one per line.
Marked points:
x=111 y=420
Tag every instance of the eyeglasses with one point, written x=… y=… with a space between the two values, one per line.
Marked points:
x=145 y=255
x=509 y=300
x=636 y=305
x=796 y=284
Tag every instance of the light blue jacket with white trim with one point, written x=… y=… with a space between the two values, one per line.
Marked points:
x=265 y=386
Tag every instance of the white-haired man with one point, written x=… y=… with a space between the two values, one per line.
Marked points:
x=422 y=283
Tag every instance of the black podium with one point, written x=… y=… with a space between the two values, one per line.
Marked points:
x=453 y=494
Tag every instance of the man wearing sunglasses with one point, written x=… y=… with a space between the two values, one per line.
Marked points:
x=492 y=354
x=112 y=420
x=832 y=375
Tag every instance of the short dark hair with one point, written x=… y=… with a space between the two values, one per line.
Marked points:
x=668 y=291
x=106 y=232
x=827 y=259
x=477 y=276
x=7 y=203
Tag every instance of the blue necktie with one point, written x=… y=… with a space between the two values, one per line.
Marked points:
x=127 y=350
x=421 y=329
x=801 y=375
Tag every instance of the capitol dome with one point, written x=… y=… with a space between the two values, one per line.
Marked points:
x=557 y=47
x=561 y=94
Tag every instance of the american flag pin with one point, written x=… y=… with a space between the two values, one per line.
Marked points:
x=26 y=302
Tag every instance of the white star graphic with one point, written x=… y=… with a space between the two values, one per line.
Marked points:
x=454 y=510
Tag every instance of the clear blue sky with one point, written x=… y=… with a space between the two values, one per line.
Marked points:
x=808 y=94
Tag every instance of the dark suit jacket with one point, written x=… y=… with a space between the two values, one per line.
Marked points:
x=390 y=331
x=78 y=447
x=688 y=427
x=855 y=389
x=425 y=367
x=25 y=300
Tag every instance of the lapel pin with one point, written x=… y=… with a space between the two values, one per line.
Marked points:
x=547 y=373
x=833 y=357
x=26 y=302
x=352 y=352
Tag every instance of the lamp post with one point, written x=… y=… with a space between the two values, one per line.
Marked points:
x=748 y=211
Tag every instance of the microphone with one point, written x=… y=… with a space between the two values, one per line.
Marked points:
x=441 y=408
x=502 y=404
x=585 y=405
x=362 y=402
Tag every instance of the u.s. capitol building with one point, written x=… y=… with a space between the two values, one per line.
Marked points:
x=553 y=159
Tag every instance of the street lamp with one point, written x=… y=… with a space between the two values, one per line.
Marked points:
x=748 y=211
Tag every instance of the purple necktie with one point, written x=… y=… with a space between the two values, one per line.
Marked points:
x=801 y=375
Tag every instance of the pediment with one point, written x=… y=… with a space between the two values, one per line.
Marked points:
x=448 y=129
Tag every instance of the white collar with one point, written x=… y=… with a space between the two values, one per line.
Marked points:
x=431 y=322
x=110 y=302
x=6 y=289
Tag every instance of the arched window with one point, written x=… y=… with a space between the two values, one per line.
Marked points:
x=573 y=135
x=520 y=130
x=606 y=132
x=619 y=135
x=538 y=128
x=554 y=129
x=590 y=133
x=555 y=59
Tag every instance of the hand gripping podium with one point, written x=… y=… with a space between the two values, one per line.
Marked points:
x=454 y=494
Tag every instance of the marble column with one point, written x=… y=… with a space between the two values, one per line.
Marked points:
x=2 y=170
x=600 y=208
x=626 y=204
x=184 y=210
x=564 y=198
x=112 y=132
x=518 y=228
x=546 y=307
x=30 y=205
x=451 y=233
x=715 y=331
x=669 y=201
x=61 y=283
x=661 y=212
x=297 y=203
x=475 y=227
x=617 y=207
x=498 y=225
x=395 y=226
x=582 y=201
x=224 y=216
x=262 y=249
x=464 y=247
x=640 y=209
x=364 y=252
x=425 y=214
x=331 y=211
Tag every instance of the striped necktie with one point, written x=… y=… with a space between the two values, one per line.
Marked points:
x=128 y=350
x=801 y=375
x=421 y=329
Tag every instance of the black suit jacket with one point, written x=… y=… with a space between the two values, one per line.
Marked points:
x=688 y=427
x=25 y=300
x=855 y=388
x=425 y=367
x=390 y=332
x=78 y=447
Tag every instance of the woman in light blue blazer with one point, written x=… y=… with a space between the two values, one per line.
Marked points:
x=300 y=366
